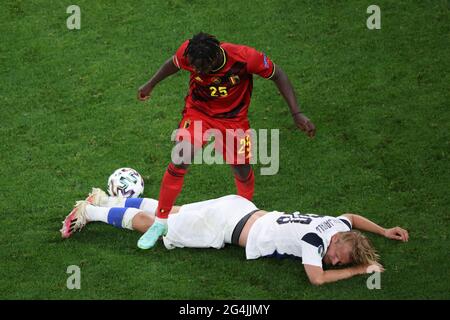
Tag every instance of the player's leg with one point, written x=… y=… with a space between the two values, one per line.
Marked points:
x=244 y=179
x=142 y=222
x=99 y=198
x=119 y=217
x=171 y=186
x=237 y=150
x=172 y=182
x=141 y=213
x=145 y=204
x=189 y=141
x=128 y=218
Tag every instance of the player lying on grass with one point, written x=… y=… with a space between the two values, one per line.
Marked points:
x=235 y=220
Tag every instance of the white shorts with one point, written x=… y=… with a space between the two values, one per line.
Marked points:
x=206 y=224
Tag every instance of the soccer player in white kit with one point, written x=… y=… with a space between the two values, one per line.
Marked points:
x=317 y=240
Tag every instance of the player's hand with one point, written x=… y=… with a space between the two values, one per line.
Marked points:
x=397 y=233
x=374 y=267
x=369 y=268
x=304 y=124
x=144 y=92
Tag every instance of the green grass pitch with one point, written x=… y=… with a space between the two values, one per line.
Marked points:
x=70 y=117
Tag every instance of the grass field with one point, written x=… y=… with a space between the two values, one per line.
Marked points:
x=70 y=117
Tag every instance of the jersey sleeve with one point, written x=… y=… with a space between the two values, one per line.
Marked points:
x=312 y=249
x=346 y=221
x=179 y=60
x=260 y=64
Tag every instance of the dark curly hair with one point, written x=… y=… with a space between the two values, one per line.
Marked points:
x=202 y=50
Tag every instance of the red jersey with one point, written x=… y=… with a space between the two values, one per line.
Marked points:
x=226 y=91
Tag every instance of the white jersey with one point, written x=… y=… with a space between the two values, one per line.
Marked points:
x=306 y=236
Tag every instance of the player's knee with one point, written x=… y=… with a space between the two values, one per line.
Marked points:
x=242 y=171
x=142 y=221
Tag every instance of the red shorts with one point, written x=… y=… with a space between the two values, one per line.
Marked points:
x=232 y=138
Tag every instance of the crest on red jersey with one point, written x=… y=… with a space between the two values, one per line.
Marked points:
x=216 y=80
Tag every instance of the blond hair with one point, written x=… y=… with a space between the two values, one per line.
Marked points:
x=362 y=250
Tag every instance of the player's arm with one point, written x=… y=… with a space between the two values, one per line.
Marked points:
x=317 y=276
x=167 y=69
x=364 y=224
x=285 y=87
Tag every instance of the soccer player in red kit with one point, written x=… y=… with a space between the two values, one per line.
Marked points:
x=220 y=89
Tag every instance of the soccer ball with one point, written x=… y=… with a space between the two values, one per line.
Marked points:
x=125 y=182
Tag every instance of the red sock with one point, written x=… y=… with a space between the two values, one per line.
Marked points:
x=245 y=188
x=171 y=186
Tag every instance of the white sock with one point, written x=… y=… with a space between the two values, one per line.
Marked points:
x=118 y=217
x=149 y=205
x=113 y=202
x=97 y=213
x=127 y=221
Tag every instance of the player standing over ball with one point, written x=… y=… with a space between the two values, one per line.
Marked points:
x=220 y=89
